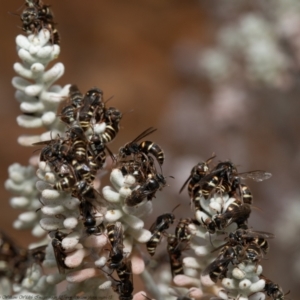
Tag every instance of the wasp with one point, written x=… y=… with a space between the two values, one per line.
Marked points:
x=243 y=192
x=115 y=236
x=84 y=191
x=153 y=184
x=239 y=253
x=92 y=151
x=96 y=152
x=37 y=16
x=182 y=230
x=218 y=268
x=245 y=237
x=92 y=107
x=148 y=189
x=273 y=289
x=143 y=149
x=78 y=181
x=210 y=184
x=83 y=171
x=124 y=270
x=175 y=251
x=111 y=117
x=8 y=248
x=59 y=252
x=69 y=113
x=237 y=212
x=245 y=244
x=197 y=173
x=134 y=168
x=80 y=188
x=25 y=259
x=10 y=253
x=224 y=178
x=136 y=197
x=79 y=143
x=124 y=286
x=67 y=183
x=228 y=174
x=141 y=170
x=86 y=209
x=161 y=224
x=154 y=149
x=55 y=153
x=252 y=253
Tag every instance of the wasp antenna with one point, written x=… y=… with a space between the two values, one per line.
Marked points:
x=176 y=207
x=109 y=99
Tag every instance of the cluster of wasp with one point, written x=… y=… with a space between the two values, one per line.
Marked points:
x=15 y=260
x=37 y=16
x=76 y=158
x=232 y=204
x=233 y=200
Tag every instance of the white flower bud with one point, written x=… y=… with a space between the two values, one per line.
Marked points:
x=217 y=207
x=82 y=275
x=48 y=118
x=24 y=72
x=37 y=68
x=244 y=284
x=257 y=286
x=70 y=222
x=191 y=262
x=113 y=215
x=38 y=231
x=129 y=180
x=229 y=283
x=142 y=235
x=71 y=240
x=201 y=216
x=133 y=221
x=238 y=274
x=125 y=191
x=75 y=258
x=51 y=194
x=70 y=203
x=52 y=210
x=105 y=285
x=22 y=42
x=26 y=57
x=33 y=89
x=45 y=53
x=50 y=177
x=27 y=140
x=29 y=121
x=28 y=217
x=110 y=195
x=101 y=262
x=54 y=73
x=19 y=202
x=183 y=280
x=258 y=296
x=32 y=107
x=99 y=128
x=17 y=224
x=127 y=242
x=51 y=224
x=117 y=178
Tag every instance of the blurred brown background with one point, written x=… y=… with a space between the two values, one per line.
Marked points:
x=146 y=55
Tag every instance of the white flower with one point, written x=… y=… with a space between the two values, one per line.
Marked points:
x=37 y=95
